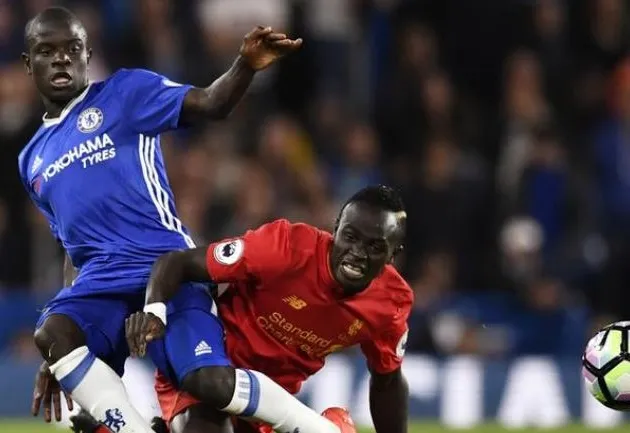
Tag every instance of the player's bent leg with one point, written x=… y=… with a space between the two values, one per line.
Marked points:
x=69 y=344
x=213 y=385
x=269 y=402
x=193 y=353
x=201 y=419
x=58 y=336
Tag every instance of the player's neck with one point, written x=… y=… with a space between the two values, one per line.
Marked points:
x=55 y=108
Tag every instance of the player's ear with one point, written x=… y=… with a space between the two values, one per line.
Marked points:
x=27 y=63
x=89 y=54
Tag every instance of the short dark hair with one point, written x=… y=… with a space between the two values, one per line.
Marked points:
x=56 y=14
x=381 y=197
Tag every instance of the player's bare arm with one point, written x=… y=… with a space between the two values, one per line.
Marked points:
x=167 y=274
x=69 y=271
x=389 y=396
x=260 y=48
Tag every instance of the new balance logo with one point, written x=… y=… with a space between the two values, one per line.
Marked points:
x=203 y=348
x=295 y=302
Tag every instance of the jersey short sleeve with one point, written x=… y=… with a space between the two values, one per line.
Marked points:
x=258 y=254
x=385 y=352
x=151 y=102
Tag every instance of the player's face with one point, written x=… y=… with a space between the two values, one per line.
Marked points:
x=58 y=60
x=365 y=240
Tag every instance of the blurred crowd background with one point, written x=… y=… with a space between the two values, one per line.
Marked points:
x=505 y=124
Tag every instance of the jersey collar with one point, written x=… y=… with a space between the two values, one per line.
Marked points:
x=64 y=113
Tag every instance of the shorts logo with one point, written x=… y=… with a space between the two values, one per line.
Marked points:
x=90 y=120
x=203 y=348
x=401 y=347
x=230 y=252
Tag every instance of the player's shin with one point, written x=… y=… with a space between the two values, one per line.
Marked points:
x=99 y=390
x=257 y=396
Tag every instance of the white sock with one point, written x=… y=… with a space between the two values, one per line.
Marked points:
x=257 y=396
x=99 y=390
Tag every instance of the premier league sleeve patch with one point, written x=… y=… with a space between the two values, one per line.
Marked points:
x=229 y=252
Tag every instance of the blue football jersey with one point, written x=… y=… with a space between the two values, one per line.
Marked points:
x=96 y=172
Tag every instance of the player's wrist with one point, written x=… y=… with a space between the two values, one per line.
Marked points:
x=243 y=64
x=158 y=309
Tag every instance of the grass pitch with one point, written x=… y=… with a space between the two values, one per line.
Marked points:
x=35 y=426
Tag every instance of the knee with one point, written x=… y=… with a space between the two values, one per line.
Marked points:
x=43 y=341
x=214 y=386
x=57 y=337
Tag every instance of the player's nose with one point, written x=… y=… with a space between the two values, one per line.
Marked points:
x=357 y=252
x=61 y=58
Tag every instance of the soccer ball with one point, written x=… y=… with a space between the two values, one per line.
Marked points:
x=606 y=366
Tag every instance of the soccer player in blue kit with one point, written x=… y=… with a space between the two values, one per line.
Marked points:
x=95 y=170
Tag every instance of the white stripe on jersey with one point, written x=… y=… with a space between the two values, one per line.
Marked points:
x=146 y=151
x=147 y=181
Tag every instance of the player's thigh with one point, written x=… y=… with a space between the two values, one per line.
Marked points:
x=194 y=336
x=200 y=419
x=173 y=402
x=193 y=340
x=101 y=321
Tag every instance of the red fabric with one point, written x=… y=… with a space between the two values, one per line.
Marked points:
x=283 y=312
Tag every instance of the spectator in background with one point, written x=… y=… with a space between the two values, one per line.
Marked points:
x=551 y=192
x=10 y=33
x=400 y=100
x=357 y=163
x=402 y=92
x=612 y=164
x=525 y=107
x=551 y=42
x=444 y=198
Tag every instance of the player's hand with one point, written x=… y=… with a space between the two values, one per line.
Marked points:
x=142 y=328
x=262 y=46
x=48 y=391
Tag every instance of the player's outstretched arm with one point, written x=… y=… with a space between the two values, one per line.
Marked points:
x=172 y=269
x=167 y=275
x=389 y=396
x=260 y=48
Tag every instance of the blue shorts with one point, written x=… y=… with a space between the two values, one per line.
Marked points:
x=101 y=316
x=194 y=337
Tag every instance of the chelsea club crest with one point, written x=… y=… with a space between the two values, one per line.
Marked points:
x=90 y=120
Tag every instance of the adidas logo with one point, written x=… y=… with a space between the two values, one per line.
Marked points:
x=203 y=348
x=36 y=164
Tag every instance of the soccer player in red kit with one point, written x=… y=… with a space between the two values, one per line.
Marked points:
x=295 y=295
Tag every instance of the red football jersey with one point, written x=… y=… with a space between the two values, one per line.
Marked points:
x=283 y=312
